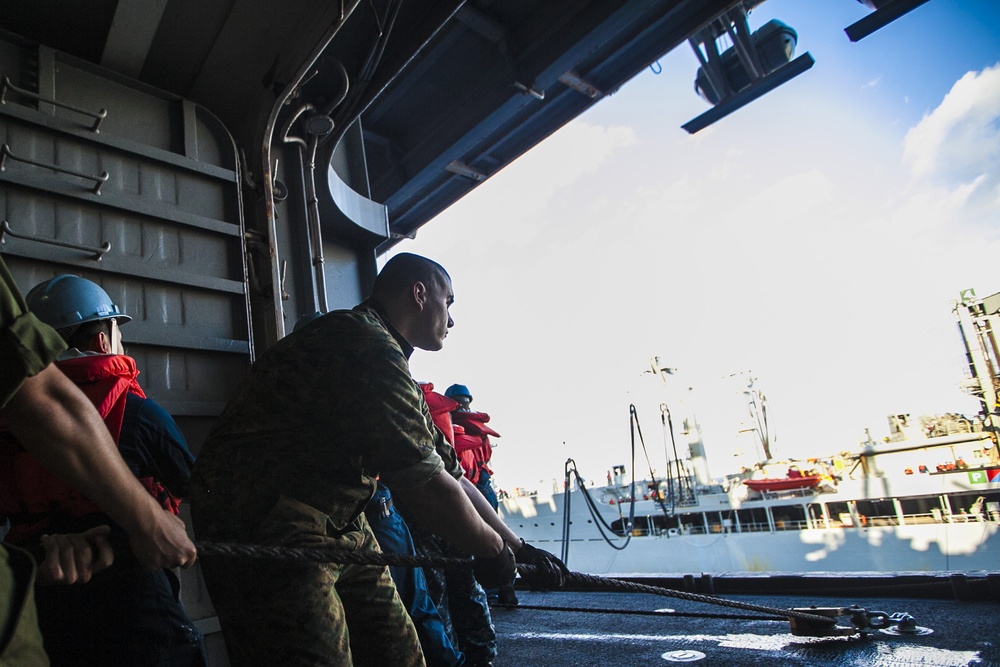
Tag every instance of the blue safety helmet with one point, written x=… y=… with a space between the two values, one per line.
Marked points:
x=458 y=390
x=69 y=301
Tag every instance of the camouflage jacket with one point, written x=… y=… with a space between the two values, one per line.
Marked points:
x=319 y=416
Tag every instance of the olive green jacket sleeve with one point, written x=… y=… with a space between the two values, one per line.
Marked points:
x=27 y=345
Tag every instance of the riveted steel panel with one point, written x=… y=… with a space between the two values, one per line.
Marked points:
x=157 y=182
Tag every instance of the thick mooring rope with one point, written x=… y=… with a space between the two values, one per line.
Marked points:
x=645 y=612
x=321 y=555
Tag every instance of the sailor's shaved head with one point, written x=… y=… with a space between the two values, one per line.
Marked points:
x=402 y=271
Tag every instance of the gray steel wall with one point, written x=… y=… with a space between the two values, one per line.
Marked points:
x=170 y=210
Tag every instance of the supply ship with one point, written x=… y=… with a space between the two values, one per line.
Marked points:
x=927 y=499
x=880 y=509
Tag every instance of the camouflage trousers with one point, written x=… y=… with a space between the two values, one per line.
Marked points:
x=305 y=614
x=20 y=639
x=460 y=599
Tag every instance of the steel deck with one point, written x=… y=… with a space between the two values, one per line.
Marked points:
x=964 y=633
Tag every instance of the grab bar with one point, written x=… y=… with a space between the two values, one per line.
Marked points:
x=97 y=116
x=97 y=252
x=5 y=153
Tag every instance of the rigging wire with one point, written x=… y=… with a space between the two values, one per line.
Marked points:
x=634 y=417
x=669 y=477
x=572 y=473
x=602 y=526
x=634 y=420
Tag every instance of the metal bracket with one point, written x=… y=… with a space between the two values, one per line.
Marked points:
x=462 y=169
x=573 y=79
x=5 y=153
x=98 y=116
x=97 y=252
x=864 y=622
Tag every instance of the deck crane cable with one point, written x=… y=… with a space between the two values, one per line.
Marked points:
x=603 y=527
x=680 y=490
x=636 y=428
x=653 y=484
x=669 y=476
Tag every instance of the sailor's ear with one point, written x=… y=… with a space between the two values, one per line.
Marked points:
x=102 y=343
x=420 y=294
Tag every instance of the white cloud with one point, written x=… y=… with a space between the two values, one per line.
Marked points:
x=766 y=245
x=872 y=84
x=540 y=179
x=959 y=141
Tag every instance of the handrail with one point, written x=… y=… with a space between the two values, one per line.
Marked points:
x=97 y=252
x=98 y=116
x=5 y=153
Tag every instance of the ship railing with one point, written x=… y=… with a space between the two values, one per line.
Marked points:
x=790 y=524
x=791 y=493
x=844 y=520
x=935 y=516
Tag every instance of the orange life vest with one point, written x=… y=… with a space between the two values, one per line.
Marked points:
x=472 y=442
x=466 y=431
x=29 y=493
x=441 y=407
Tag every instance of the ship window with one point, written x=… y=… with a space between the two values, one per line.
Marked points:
x=789 y=517
x=753 y=520
x=974 y=506
x=926 y=509
x=877 y=512
x=617 y=526
x=816 y=514
x=840 y=515
x=692 y=524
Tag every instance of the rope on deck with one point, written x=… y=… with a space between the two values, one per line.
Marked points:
x=323 y=555
x=644 y=612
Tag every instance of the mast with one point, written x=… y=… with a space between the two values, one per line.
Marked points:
x=978 y=322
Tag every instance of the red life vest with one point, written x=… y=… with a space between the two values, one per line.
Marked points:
x=29 y=491
x=441 y=407
x=466 y=431
x=472 y=442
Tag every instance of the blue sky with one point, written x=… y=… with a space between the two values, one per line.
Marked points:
x=815 y=238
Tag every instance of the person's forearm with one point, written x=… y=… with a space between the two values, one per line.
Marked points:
x=489 y=515
x=442 y=506
x=53 y=420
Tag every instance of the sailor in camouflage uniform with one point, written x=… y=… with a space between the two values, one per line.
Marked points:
x=27 y=346
x=293 y=459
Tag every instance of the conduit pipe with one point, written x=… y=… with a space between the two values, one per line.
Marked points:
x=307 y=158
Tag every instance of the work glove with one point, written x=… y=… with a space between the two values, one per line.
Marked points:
x=549 y=574
x=497 y=571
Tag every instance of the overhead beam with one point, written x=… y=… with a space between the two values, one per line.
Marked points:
x=752 y=92
x=132 y=31
x=880 y=18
